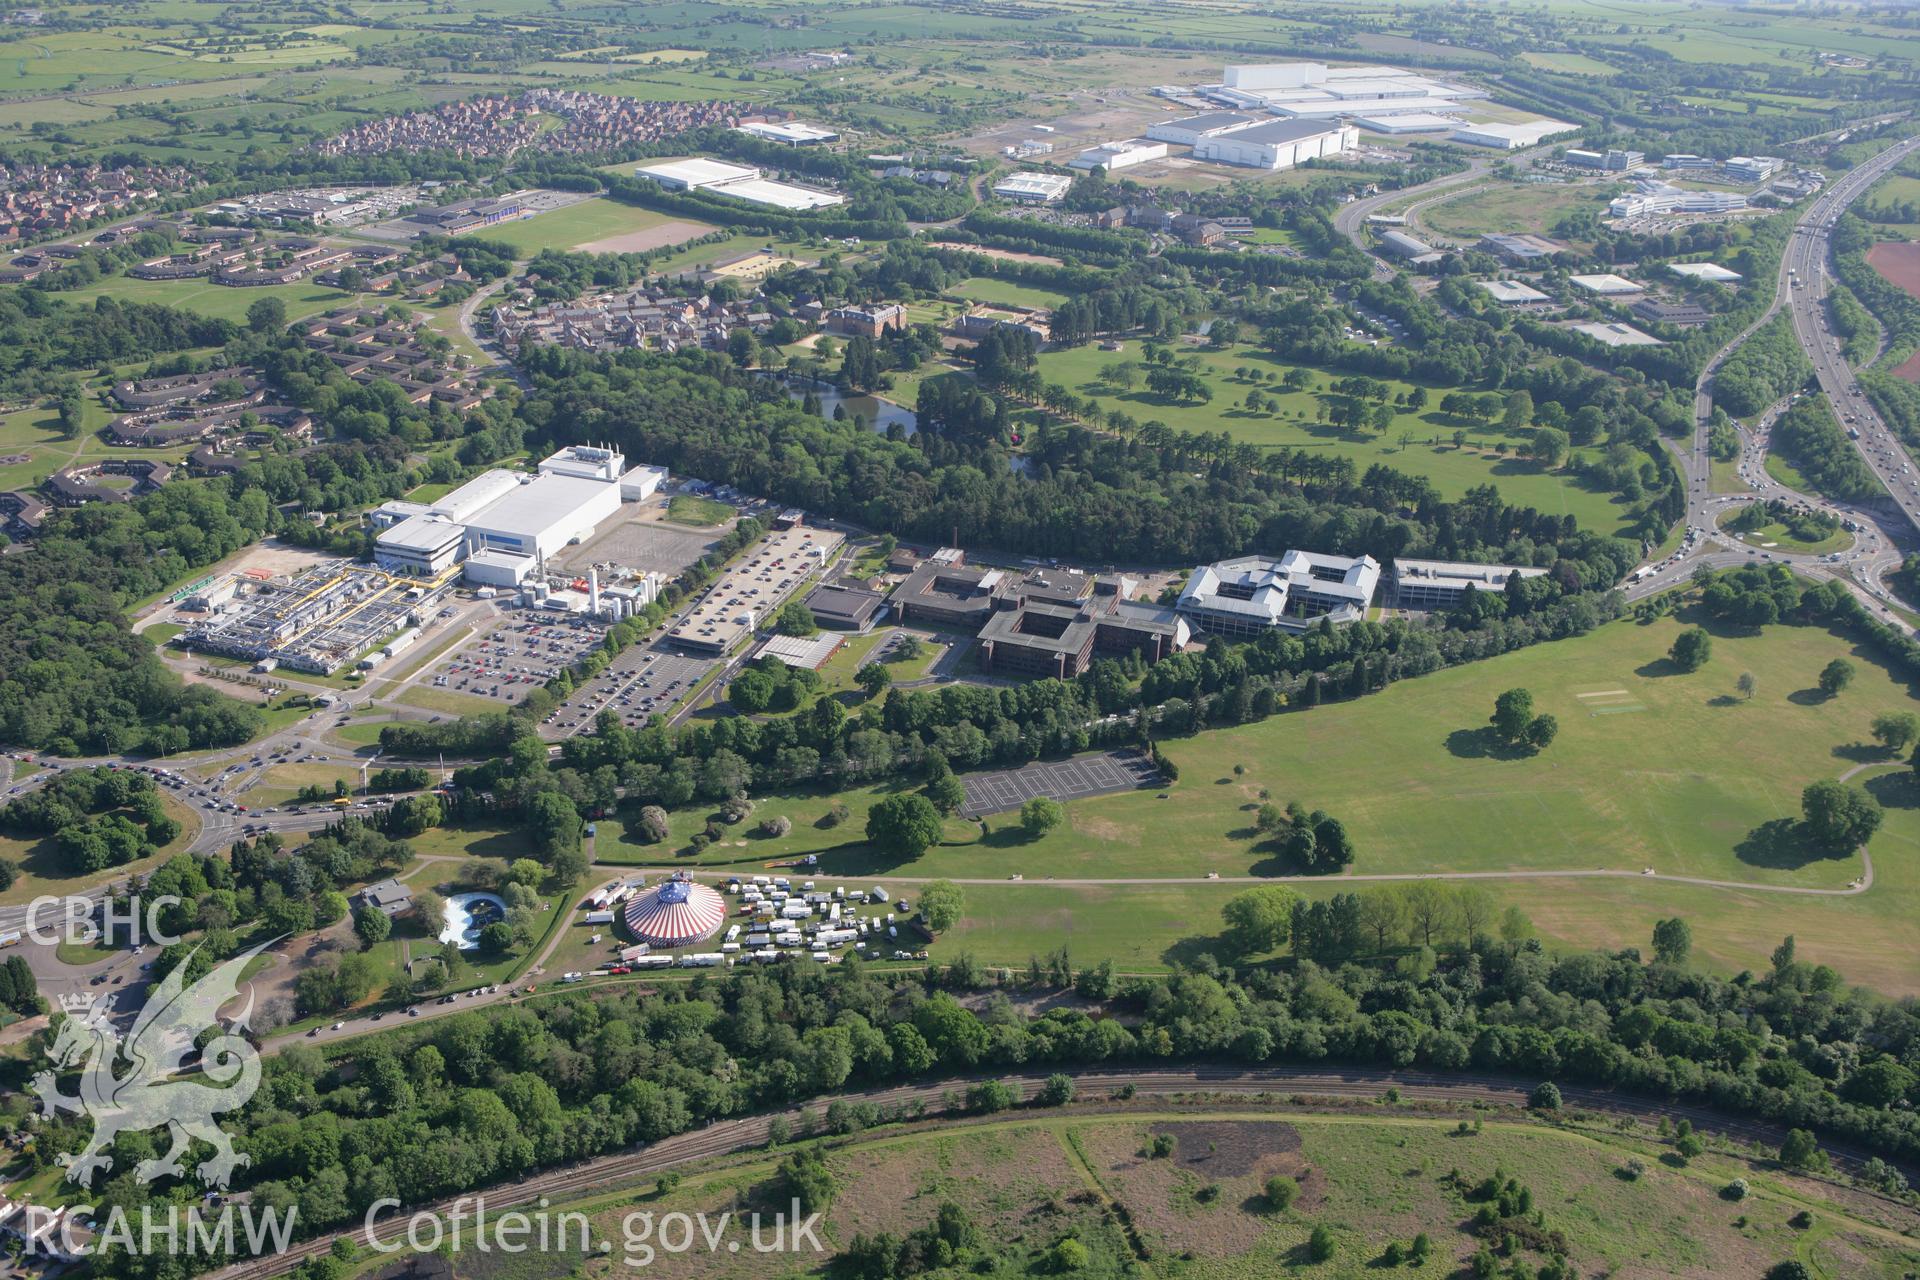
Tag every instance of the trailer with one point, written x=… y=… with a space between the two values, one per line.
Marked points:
x=795 y=911
x=702 y=960
x=636 y=952
x=652 y=962
x=599 y=917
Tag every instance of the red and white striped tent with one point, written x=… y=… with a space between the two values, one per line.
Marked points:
x=676 y=913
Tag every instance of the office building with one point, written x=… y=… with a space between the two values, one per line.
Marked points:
x=1033 y=188
x=1438 y=585
x=1254 y=594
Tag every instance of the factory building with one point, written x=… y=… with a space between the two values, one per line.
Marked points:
x=792 y=133
x=1278 y=144
x=1118 y=155
x=514 y=516
x=1402 y=245
x=1251 y=595
x=1191 y=131
x=1510 y=137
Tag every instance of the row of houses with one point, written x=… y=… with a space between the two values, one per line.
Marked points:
x=498 y=127
x=373 y=346
x=39 y=199
x=629 y=319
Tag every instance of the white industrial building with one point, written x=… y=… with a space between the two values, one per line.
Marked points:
x=1033 y=188
x=1119 y=155
x=1304 y=90
x=1607 y=285
x=1187 y=131
x=743 y=182
x=1512 y=293
x=792 y=133
x=1510 y=137
x=1407 y=122
x=687 y=175
x=508 y=523
x=1709 y=271
x=1614 y=334
x=1253 y=594
x=1402 y=245
x=1279 y=144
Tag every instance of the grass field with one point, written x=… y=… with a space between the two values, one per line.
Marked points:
x=579 y=224
x=697 y=512
x=1429 y=452
x=1506 y=206
x=1370 y=1178
x=222 y=302
x=1007 y=294
x=41 y=872
x=1653 y=771
x=1775 y=536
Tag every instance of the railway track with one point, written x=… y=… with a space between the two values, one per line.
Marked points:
x=747 y=1133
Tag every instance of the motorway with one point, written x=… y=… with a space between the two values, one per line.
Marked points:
x=1883 y=530
x=1202 y=1086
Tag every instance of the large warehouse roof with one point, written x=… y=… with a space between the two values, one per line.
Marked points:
x=530 y=508
x=697 y=172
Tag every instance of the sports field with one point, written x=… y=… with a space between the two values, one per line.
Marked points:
x=1429 y=450
x=598 y=225
x=222 y=302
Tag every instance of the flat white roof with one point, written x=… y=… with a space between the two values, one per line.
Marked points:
x=791 y=131
x=1615 y=334
x=1052 y=185
x=779 y=194
x=1512 y=135
x=1607 y=282
x=1406 y=122
x=697 y=172
x=1704 y=271
x=488 y=486
x=1512 y=291
x=421 y=533
x=536 y=506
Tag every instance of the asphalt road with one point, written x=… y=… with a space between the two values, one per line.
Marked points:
x=728 y=1137
x=1883 y=529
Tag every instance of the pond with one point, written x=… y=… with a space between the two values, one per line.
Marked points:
x=468 y=914
x=877 y=413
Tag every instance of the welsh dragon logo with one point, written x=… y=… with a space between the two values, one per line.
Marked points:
x=145 y=1096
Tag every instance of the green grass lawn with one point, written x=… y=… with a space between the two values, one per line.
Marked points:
x=1429 y=450
x=1005 y=293
x=579 y=224
x=698 y=512
x=222 y=302
x=1653 y=769
x=1506 y=206
x=1774 y=536
x=41 y=871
